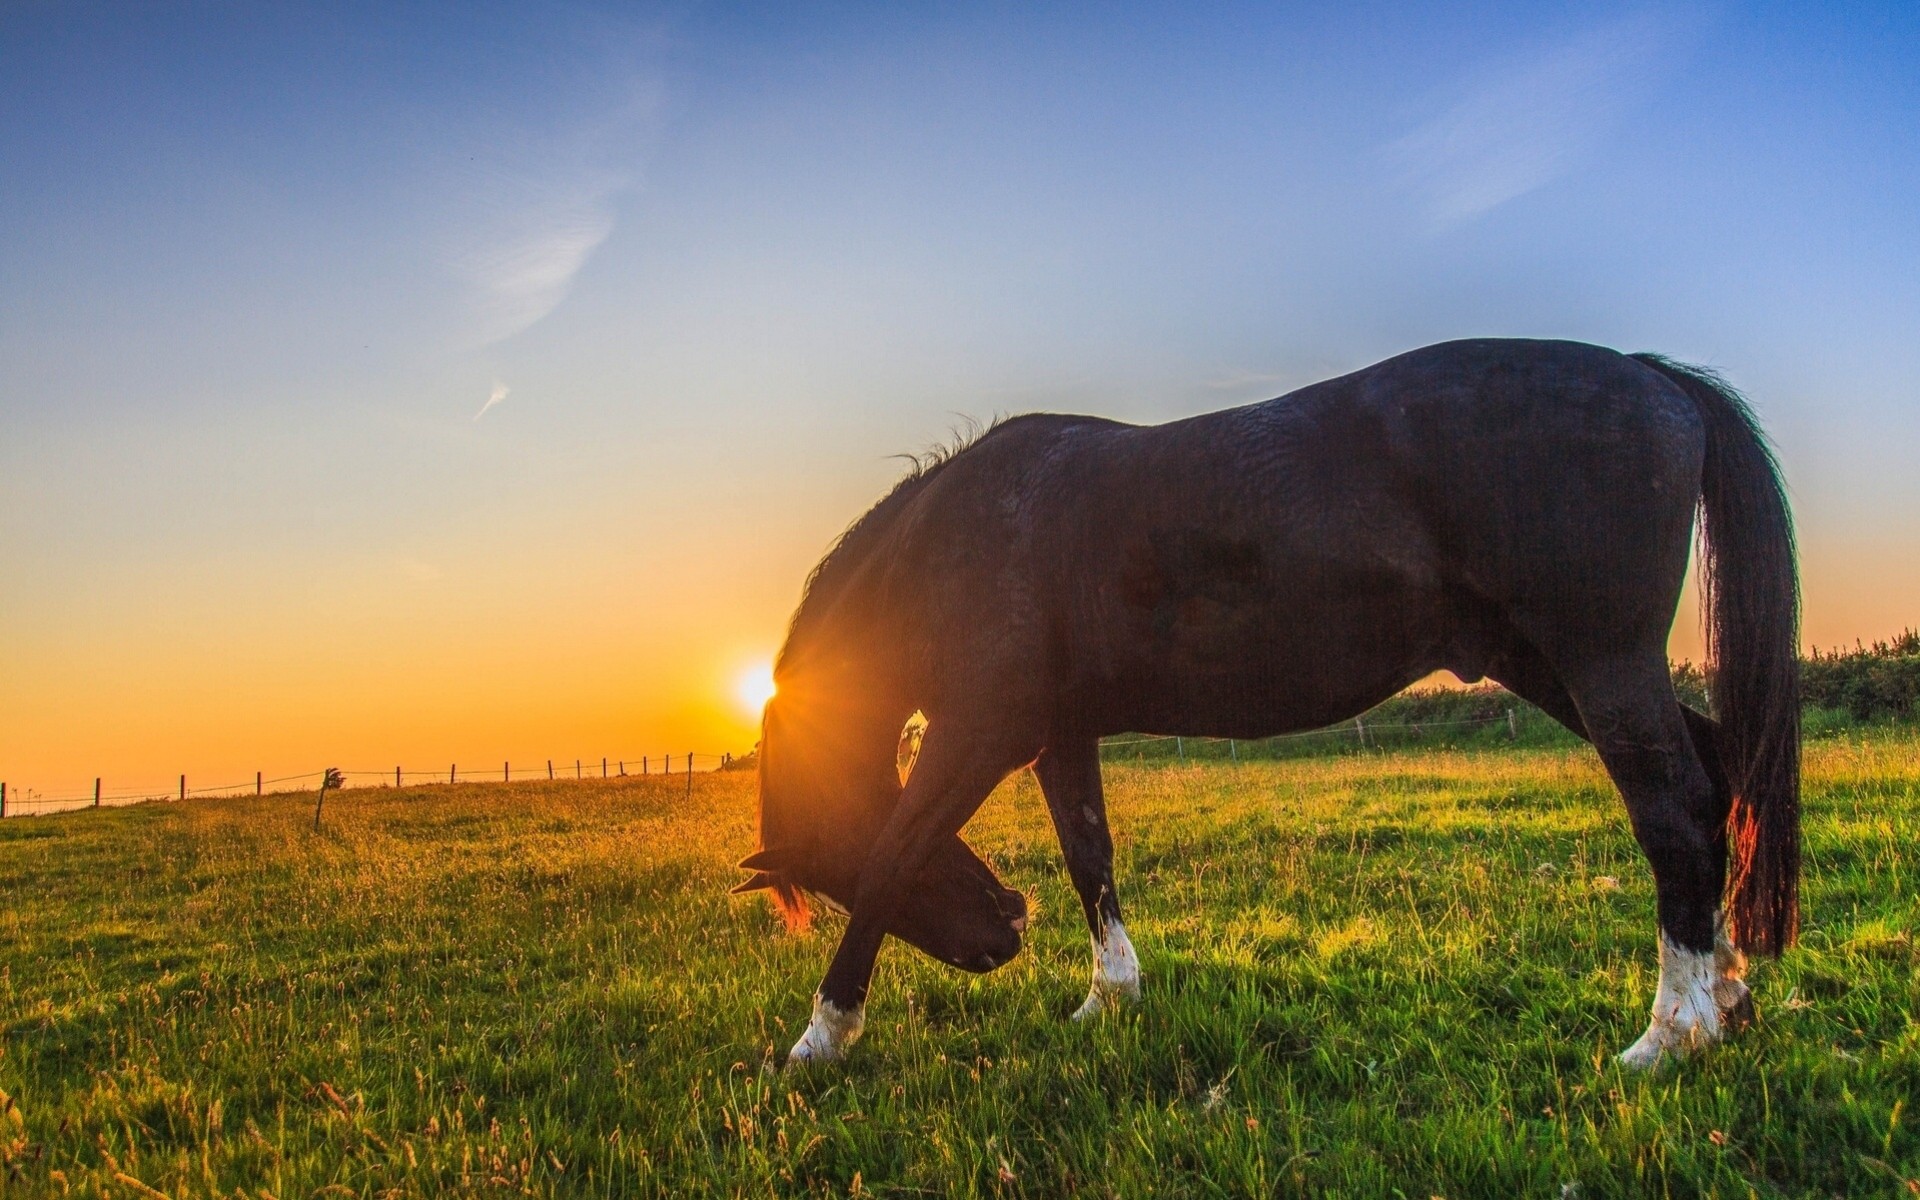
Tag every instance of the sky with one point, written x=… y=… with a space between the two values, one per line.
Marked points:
x=411 y=384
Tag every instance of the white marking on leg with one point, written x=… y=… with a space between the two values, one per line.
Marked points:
x=829 y=1034
x=1116 y=971
x=1685 y=1016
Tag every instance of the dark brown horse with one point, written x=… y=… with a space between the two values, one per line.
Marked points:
x=1514 y=510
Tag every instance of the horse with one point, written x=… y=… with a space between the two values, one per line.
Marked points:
x=1513 y=510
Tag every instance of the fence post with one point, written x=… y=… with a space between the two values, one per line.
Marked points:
x=258 y=784
x=576 y=768
x=96 y=791
x=396 y=777
x=183 y=787
x=549 y=769
x=506 y=772
x=603 y=768
x=1360 y=731
x=3 y=799
x=643 y=764
x=623 y=768
x=453 y=773
x=1233 y=750
x=1513 y=728
x=689 y=774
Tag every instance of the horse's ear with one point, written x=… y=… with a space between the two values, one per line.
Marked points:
x=774 y=859
x=760 y=880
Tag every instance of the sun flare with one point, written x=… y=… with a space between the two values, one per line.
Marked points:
x=754 y=687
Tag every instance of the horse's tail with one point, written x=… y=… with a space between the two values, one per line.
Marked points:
x=1751 y=593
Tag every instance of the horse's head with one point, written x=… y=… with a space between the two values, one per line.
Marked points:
x=823 y=801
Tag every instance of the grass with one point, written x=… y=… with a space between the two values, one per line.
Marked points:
x=1393 y=973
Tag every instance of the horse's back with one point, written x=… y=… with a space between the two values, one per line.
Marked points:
x=1550 y=476
x=1417 y=507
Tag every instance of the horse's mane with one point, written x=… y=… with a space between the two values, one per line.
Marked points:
x=833 y=580
x=855 y=547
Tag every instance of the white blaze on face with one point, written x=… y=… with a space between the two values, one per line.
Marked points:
x=1685 y=1014
x=1116 y=971
x=829 y=1034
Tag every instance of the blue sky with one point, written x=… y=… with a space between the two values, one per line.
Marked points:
x=706 y=267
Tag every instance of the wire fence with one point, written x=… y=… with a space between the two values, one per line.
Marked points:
x=1358 y=732
x=18 y=803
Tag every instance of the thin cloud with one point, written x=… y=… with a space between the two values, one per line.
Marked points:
x=531 y=203
x=1518 y=127
x=499 y=393
x=523 y=255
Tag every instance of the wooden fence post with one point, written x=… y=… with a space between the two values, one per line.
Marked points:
x=258 y=783
x=603 y=768
x=1513 y=727
x=623 y=768
x=396 y=777
x=183 y=787
x=1233 y=751
x=689 y=774
x=549 y=769
x=1360 y=731
x=96 y=791
x=1180 y=748
x=453 y=773
x=576 y=769
x=506 y=772
x=3 y=799
x=643 y=764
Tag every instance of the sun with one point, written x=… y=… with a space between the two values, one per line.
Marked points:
x=753 y=687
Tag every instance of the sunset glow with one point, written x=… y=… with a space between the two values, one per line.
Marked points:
x=754 y=688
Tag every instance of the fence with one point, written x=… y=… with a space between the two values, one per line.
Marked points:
x=1359 y=732
x=14 y=804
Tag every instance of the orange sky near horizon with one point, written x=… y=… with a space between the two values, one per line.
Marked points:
x=473 y=666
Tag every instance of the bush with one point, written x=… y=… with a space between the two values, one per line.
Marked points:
x=1869 y=683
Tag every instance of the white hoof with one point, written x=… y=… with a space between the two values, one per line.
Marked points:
x=1686 y=1015
x=1116 y=973
x=1643 y=1055
x=828 y=1035
x=1099 y=1000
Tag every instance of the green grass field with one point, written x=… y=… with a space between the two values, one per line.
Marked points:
x=1385 y=974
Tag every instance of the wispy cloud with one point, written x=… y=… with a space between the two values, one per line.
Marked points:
x=1523 y=123
x=525 y=245
x=498 y=394
x=533 y=197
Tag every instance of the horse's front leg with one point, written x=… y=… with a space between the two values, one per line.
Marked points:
x=840 y=1006
x=952 y=777
x=1069 y=773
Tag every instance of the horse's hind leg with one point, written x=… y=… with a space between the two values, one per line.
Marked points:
x=1679 y=819
x=1069 y=772
x=1730 y=990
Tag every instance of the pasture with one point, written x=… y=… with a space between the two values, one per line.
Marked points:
x=1386 y=973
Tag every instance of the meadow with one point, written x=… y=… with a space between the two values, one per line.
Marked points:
x=1382 y=973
